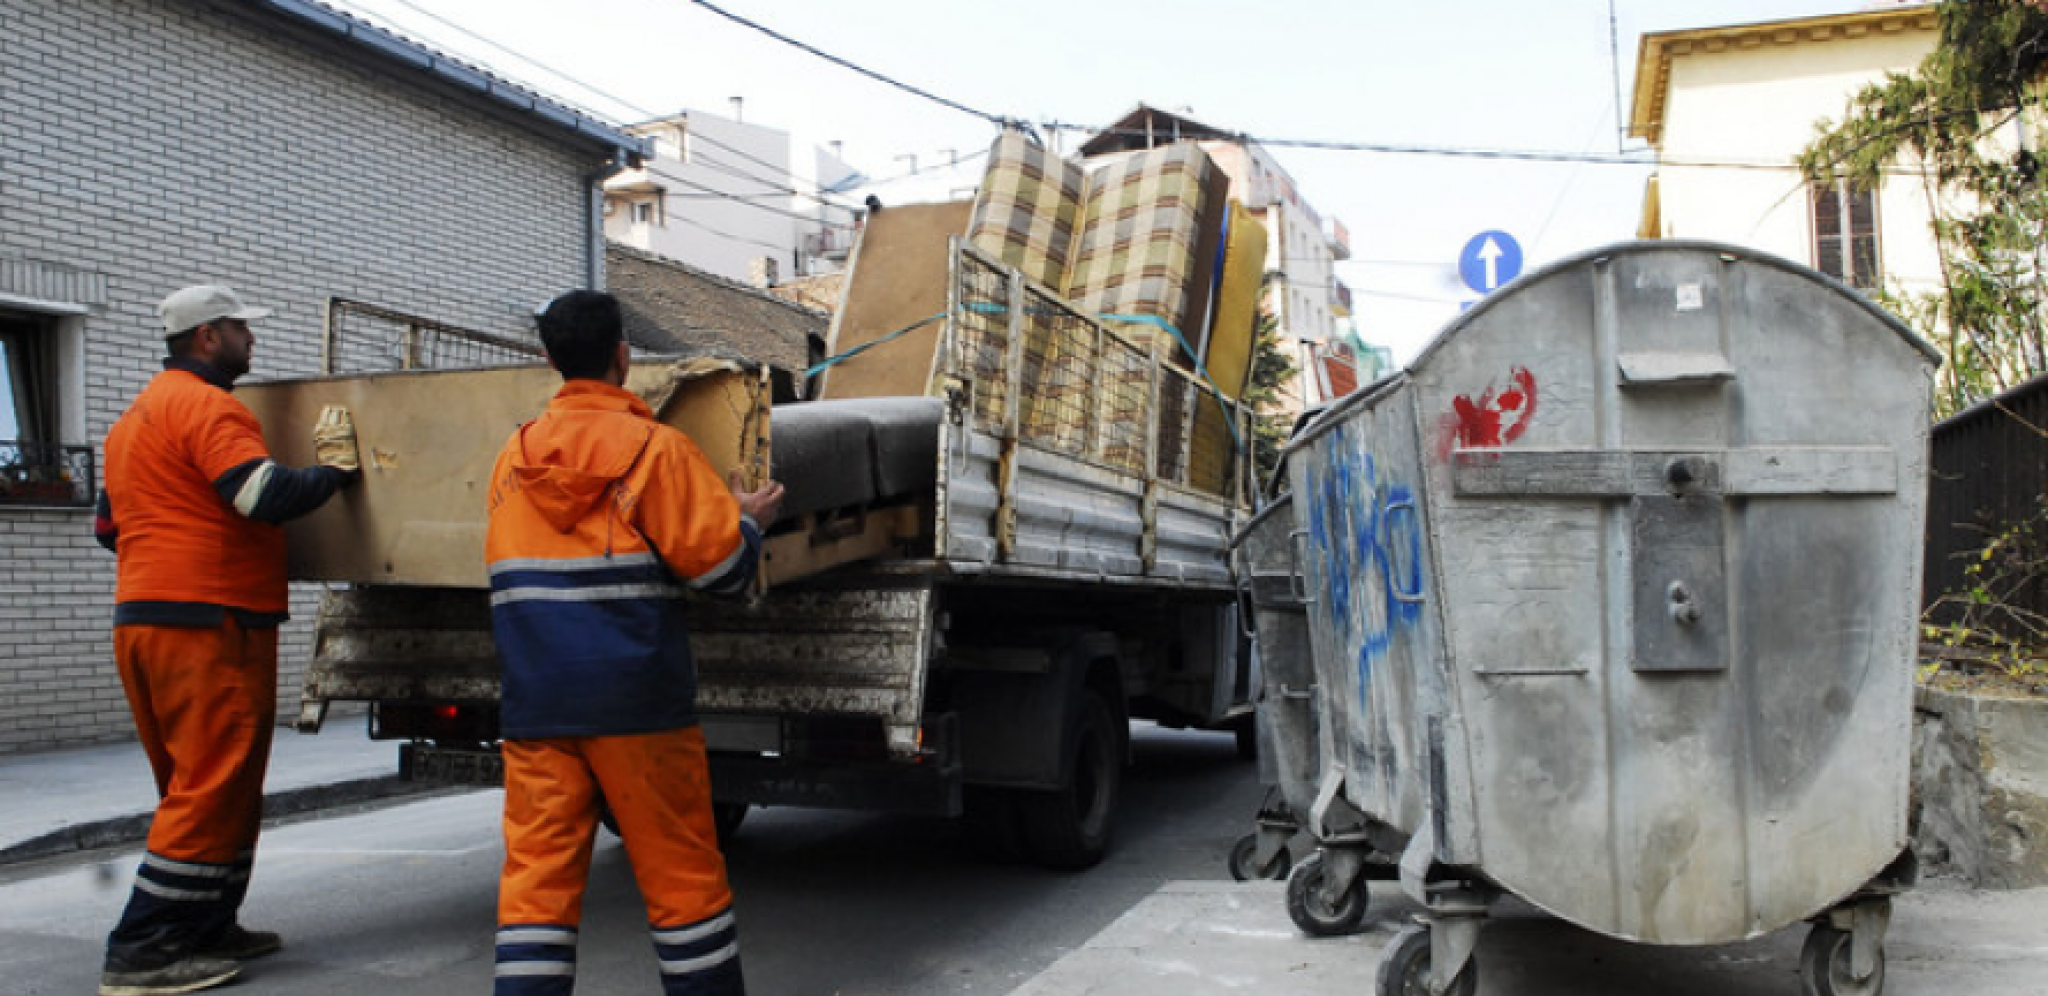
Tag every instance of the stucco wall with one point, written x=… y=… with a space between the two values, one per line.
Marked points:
x=150 y=144
x=1759 y=103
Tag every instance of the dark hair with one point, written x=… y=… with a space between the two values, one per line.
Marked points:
x=183 y=343
x=582 y=331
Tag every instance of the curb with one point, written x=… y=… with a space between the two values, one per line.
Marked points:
x=118 y=830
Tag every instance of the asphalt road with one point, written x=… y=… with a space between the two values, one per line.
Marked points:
x=399 y=901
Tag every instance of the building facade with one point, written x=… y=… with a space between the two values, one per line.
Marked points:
x=739 y=200
x=1729 y=108
x=292 y=152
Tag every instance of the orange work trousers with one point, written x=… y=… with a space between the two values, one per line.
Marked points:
x=205 y=707
x=659 y=789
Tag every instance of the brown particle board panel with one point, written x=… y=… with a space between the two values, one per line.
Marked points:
x=897 y=278
x=429 y=439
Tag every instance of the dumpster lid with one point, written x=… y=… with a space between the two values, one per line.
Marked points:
x=1724 y=249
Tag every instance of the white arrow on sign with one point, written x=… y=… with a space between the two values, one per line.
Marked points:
x=1490 y=254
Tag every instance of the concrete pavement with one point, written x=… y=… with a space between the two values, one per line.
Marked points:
x=1231 y=938
x=1193 y=938
x=79 y=798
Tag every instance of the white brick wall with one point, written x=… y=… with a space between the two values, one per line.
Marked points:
x=150 y=144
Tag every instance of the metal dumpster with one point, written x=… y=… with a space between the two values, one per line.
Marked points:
x=1612 y=604
x=1284 y=699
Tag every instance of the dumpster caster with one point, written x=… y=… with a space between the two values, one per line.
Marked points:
x=1312 y=906
x=1844 y=952
x=1404 y=968
x=1244 y=856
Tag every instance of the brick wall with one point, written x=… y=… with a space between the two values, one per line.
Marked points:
x=150 y=144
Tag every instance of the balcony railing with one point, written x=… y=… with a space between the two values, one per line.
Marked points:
x=44 y=475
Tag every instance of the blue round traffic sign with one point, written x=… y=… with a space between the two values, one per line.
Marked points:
x=1489 y=260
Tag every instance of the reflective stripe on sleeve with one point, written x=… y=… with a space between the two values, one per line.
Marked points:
x=251 y=491
x=724 y=567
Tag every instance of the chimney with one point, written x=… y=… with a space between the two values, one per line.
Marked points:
x=761 y=272
x=736 y=102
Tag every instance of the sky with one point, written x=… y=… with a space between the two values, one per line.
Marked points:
x=1453 y=75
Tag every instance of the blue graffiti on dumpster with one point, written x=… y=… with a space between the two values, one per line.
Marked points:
x=1367 y=554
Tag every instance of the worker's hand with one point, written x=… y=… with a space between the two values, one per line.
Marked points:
x=334 y=440
x=761 y=506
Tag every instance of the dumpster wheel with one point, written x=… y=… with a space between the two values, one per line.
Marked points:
x=1246 y=850
x=1309 y=904
x=1404 y=969
x=1825 y=969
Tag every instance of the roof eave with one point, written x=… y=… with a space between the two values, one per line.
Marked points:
x=1658 y=48
x=391 y=48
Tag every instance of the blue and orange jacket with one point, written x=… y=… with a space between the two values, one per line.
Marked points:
x=599 y=516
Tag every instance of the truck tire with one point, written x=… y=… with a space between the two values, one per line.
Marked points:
x=1069 y=828
x=989 y=819
x=727 y=816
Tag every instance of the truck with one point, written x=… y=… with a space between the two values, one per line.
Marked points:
x=973 y=590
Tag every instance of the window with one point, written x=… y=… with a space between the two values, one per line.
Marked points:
x=1845 y=234
x=36 y=466
x=643 y=212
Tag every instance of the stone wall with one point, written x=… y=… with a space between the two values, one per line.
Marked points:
x=1980 y=787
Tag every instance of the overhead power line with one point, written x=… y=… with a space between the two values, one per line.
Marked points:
x=995 y=119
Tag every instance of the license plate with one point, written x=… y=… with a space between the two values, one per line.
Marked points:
x=466 y=767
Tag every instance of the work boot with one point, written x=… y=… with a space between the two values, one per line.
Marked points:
x=239 y=944
x=187 y=974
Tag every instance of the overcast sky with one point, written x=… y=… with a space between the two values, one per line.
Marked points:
x=1488 y=74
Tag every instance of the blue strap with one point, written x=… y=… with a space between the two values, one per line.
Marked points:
x=830 y=362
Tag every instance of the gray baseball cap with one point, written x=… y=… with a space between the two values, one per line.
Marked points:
x=195 y=306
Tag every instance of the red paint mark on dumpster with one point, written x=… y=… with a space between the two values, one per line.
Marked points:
x=1490 y=421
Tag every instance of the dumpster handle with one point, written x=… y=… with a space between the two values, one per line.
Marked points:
x=1297 y=554
x=1393 y=582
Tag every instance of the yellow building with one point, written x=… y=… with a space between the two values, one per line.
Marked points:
x=1729 y=108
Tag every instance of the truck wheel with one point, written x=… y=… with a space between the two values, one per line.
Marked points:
x=1070 y=827
x=727 y=816
x=989 y=817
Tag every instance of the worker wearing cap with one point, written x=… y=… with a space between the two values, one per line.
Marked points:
x=193 y=508
x=599 y=518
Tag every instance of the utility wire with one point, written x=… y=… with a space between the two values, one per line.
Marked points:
x=994 y=119
x=742 y=199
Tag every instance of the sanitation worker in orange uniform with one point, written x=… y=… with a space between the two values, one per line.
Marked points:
x=193 y=508
x=600 y=517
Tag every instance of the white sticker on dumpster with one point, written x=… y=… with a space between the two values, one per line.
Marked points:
x=1690 y=297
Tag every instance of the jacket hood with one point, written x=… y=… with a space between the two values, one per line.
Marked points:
x=570 y=458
